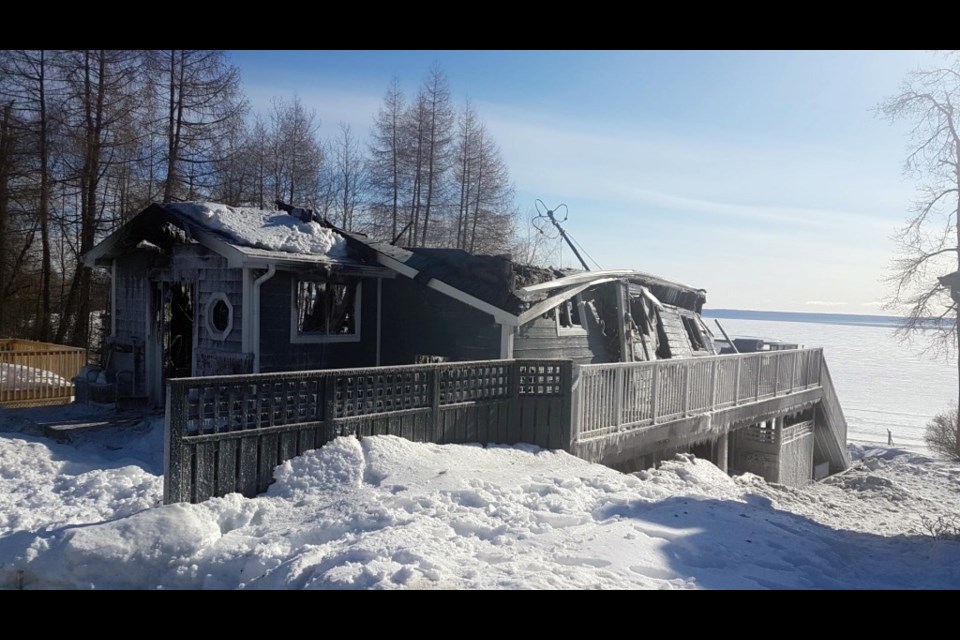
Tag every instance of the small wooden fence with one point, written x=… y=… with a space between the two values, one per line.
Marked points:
x=611 y=398
x=228 y=433
x=34 y=374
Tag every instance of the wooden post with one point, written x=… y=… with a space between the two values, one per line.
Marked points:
x=722 y=451
x=173 y=477
x=793 y=369
x=513 y=428
x=623 y=326
x=736 y=383
x=686 y=387
x=759 y=375
x=776 y=384
x=713 y=383
x=820 y=367
x=568 y=422
x=656 y=390
x=329 y=407
x=618 y=397
x=434 y=418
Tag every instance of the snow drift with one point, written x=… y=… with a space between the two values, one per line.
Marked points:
x=389 y=513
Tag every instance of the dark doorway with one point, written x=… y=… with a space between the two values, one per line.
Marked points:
x=177 y=332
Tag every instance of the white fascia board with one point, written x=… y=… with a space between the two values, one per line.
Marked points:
x=542 y=307
x=537 y=290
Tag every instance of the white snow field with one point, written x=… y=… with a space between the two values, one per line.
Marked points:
x=389 y=513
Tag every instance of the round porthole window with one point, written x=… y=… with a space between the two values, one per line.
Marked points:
x=219 y=316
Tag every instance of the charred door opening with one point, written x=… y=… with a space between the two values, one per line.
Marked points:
x=177 y=317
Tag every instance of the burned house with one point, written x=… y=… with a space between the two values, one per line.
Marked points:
x=203 y=289
x=613 y=366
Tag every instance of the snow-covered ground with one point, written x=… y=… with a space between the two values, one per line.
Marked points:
x=389 y=513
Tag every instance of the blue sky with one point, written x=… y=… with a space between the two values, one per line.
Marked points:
x=763 y=177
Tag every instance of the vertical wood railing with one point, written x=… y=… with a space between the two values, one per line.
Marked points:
x=621 y=396
x=228 y=433
x=34 y=374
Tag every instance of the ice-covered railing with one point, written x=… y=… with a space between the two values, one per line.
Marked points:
x=227 y=433
x=616 y=397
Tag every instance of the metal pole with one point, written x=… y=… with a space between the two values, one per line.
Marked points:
x=729 y=341
x=564 y=234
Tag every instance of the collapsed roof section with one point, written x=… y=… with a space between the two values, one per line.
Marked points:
x=506 y=289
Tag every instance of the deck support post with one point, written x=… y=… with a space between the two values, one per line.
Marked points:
x=722 y=449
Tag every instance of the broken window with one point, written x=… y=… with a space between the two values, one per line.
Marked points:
x=327 y=308
x=569 y=312
x=568 y=317
x=693 y=332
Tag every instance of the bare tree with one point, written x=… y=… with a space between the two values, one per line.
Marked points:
x=941 y=434
x=929 y=242
x=386 y=162
x=463 y=167
x=236 y=166
x=7 y=168
x=103 y=90
x=297 y=154
x=259 y=156
x=437 y=128
x=493 y=212
x=349 y=175
x=28 y=88
x=415 y=121
x=201 y=95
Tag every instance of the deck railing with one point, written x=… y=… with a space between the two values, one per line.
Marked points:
x=35 y=374
x=611 y=398
x=228 y=433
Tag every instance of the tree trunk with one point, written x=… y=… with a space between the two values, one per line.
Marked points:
x=395 y=153
x=476 y=206
x=88 y=230
x=433 y=152
x=415 y=208
x=956 y=170
x=6 y=159
x=175 y=123
x=43 y=322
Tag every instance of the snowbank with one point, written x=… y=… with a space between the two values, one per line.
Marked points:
x=389 y=513
x=18 y=377
x=272 y=230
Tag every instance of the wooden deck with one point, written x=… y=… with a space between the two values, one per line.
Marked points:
x=625 y=410
x=227 y=433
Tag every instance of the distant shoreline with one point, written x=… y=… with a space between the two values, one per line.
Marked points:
x=852 y=319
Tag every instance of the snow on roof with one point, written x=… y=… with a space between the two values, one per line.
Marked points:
x=264 y=229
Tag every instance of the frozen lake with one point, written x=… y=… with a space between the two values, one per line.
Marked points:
x=881 y=382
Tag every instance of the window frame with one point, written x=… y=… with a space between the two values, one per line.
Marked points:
x=299 y=337
x=576 y=330
x=212 y=331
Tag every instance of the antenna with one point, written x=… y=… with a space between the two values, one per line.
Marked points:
x=549 y=215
